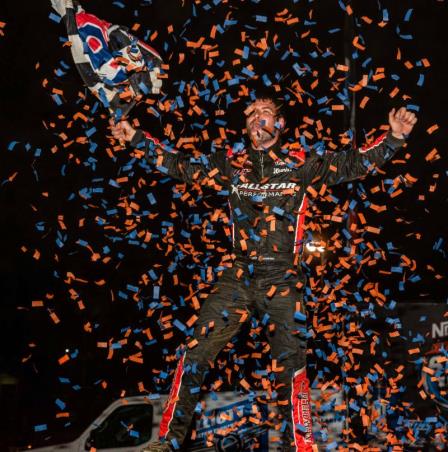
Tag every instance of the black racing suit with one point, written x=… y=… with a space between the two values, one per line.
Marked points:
x=267 y=198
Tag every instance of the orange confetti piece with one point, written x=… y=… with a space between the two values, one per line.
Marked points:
x=54 y=317
x=432 y=129
x=432 y=155
x=364 y=101
x=394 y=92
x=270 y=293
x=63 y=359
x=356 y=43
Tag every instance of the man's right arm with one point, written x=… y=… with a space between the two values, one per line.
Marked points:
x=207 y=170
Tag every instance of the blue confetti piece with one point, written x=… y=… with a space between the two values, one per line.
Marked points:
x=322 y=100
x=421 y=80
x=298 y=70
x=55 y=17
x=132 y=288
x=366 y=62
x=123 y=295
x=64 y=64
x=57 y=99
x=263 y=19
x=90 y=132
x=396 y=269
x=431 y=420
x=302 y=428
x=278 y=211
x=60 y=404
x=342 y=5
x=12 y=145
x=299 y=316
x=408 y=15
x=178 y=324
x=413 y=107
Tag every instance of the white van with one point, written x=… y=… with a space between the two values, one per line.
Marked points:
x=130 y=424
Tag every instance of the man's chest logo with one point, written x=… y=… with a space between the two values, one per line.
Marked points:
x=264 y=190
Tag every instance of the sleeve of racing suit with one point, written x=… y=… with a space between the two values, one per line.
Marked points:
x=207 y=169
x=336 y=167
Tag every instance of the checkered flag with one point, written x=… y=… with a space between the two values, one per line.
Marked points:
x=118 y=68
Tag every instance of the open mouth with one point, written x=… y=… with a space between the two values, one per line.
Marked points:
x=260 y=126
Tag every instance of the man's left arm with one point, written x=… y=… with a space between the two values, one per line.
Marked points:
x=344 y=166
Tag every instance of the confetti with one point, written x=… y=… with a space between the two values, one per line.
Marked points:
x=134 y=254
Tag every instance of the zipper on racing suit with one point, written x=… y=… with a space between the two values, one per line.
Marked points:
x=260 y=247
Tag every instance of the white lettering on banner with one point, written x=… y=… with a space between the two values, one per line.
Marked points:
x=440 y=330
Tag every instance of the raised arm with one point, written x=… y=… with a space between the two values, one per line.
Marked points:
x=334 y=168
x=210 y=170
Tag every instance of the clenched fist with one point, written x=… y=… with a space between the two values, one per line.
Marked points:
x=122 y=131
x=401 y=122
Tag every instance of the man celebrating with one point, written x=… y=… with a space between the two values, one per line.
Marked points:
x=267 y=185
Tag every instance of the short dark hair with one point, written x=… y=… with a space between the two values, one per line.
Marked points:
x=266 y=93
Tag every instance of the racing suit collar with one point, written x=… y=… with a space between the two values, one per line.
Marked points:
x=276 y=147
x=263 y=160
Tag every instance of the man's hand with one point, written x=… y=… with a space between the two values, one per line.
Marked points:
x=401 y=122
x=122 y=131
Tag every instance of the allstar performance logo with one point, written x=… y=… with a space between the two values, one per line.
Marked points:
x=263 y=190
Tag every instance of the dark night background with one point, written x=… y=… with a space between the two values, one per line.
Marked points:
x=59 y=206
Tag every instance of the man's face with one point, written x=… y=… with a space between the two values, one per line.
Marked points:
x=261 y=119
